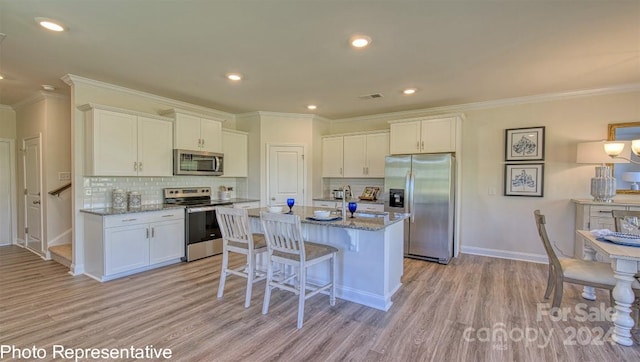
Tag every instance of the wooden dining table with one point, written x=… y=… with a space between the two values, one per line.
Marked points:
x=625 y=262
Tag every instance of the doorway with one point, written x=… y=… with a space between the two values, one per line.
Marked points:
x=285 y=174
x=7 y=192
x=32 y=195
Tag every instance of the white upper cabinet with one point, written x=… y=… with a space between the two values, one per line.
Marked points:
x=364 y=155
x=332 y=154
x=424 y=136
x=234 y=148
x=126 y=143
x=196 y=133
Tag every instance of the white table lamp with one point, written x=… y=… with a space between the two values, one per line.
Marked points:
x=633 y=177
x=603 y=185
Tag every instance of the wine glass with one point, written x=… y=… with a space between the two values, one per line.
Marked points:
x=352 y=208
x=290 y=203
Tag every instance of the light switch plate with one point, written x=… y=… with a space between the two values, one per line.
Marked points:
x=64 y=176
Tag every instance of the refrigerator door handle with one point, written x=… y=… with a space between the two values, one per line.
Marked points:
x=411 y=195
x=407 y=188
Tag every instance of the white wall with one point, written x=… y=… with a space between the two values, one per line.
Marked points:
x=7 y=122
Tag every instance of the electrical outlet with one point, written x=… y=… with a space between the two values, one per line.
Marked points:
x=64 y=176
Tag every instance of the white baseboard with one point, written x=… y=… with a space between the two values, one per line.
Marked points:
x=502 y=254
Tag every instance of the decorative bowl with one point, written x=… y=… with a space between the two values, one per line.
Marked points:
x=275 y=209
x=323 y=214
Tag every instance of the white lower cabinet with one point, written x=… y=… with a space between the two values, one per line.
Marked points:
x=366 y=206
x=329 y=204
x=247 y=205
x=119 y=245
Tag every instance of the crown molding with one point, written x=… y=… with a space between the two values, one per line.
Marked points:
x=281 y=115
x=72 y=79
x=37 y=97
x=6 y=107
x=548 y=97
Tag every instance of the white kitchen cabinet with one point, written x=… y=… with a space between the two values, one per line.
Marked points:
x=196 y=133
x=123 y=244
x=126 y=143
x=332 y=156
x=234 y=148
x=367 y=206
x=247 y=205
x=364 y=155
x=328 y=204
x=424 y=136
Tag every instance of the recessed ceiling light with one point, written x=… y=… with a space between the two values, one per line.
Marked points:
x=360 y=41
x=312 y=107
x=50 y=24
x=1 y=77
x=409 y=91
x=234 y=76
x=48 y=87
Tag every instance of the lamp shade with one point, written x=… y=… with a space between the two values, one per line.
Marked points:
x=593 y=152
x=631 y=176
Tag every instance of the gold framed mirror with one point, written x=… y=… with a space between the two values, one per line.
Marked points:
x=625 y=132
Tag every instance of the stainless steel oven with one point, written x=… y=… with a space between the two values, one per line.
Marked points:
x=202 y=233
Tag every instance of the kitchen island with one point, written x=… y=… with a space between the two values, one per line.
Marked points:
x=370 y=253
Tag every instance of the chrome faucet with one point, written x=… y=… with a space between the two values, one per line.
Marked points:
x=344 y=199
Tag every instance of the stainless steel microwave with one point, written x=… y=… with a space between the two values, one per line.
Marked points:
x=187 y=162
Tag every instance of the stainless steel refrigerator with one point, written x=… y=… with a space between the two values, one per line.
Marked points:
x=423 y=185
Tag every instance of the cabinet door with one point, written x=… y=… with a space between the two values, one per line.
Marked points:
x=329 y=204
x=211 y=134
x=355 y=162
x=187 y=132
x=365 y=206
x=247 y=205
x=234 y=148
x=126 y=248
x=377 y=150
x=155 y=151
x=438 y=135
x=332 y=153
x=167 y=241
x=115 y=143
x=404 y=138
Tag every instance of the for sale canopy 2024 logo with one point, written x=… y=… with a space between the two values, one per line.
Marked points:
x=500 y=335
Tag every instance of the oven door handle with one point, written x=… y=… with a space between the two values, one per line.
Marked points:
x=191 y=210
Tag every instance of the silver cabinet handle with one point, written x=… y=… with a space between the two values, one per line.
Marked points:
x=36 y=202
x=167 y=215
x=127 y=220
x=153 y=232
x=139 y=166
x=418 y=145
x=147 y=233
x=341 y=170
x=135 y=166
x=422 y=147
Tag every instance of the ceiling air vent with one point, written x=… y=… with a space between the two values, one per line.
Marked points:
x=371 y=96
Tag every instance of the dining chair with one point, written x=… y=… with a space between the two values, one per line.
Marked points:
x=618 y=217
x=237 y=238
x=569 y=270
x=286 y=247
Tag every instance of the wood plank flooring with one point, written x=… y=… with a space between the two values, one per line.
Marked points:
x=442 y=313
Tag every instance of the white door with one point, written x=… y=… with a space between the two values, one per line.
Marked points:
x=32 y=199
x=6 y=187
x=285 y=174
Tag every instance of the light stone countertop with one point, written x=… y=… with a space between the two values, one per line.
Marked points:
x=371 y=221
x=354 y=199
x=106 y=211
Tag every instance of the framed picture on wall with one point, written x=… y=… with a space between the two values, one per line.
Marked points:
x=524 y=179
x=524 y=144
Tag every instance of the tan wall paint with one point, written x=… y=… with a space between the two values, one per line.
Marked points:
x=7 y=122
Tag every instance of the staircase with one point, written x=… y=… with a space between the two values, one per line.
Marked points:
x=62 y=254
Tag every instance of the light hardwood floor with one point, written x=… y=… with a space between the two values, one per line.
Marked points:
x=442 y=313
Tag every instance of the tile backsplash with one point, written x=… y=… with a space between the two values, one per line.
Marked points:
x=97 y=190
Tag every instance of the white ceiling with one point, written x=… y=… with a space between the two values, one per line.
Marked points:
x=295 y=52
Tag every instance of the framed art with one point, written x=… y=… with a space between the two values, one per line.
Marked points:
x=524 y=179
x=524 y=144
x=370 y=193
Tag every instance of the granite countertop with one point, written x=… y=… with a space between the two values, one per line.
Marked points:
x=106 y=211
x=371 y=221
x=351 y=199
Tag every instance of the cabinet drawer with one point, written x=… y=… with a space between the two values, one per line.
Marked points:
x=604 y=210
x=143 y=217
x=370 y=207
x=247 y=205
x=329 y=204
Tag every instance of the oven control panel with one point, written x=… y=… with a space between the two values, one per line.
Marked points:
x=172 y=193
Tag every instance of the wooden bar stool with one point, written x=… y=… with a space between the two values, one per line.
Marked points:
x=237 y=238
x=285 y=246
